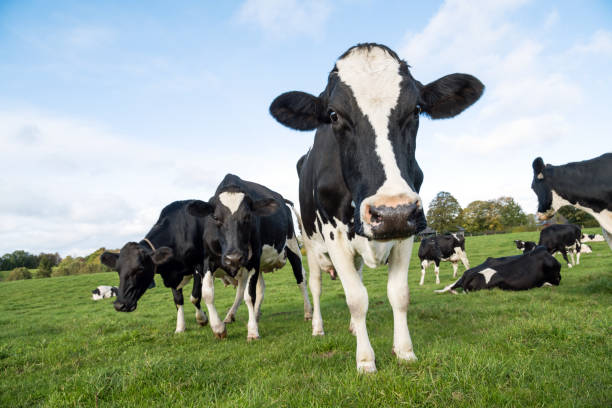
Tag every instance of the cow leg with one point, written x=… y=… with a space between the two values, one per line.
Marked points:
x=295 y=259
x=564 y=253
x=463 y=257
x=250 y=297
x=437 y=271
x=230 y=317
x=571 y=253
x=578 y=258
x=424 y=266
x=455 y=267
x=314 y=282
x=196 y=297
x=399 y=297
x=259 y=295
x=607 y=236
x=208 y=293
x=180 y=314
x=360 y=272
x=357 y=300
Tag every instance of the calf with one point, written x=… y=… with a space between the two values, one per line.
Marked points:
x=520 y=272
x=592 y=238
x=248 y=230
x=103 y=292
x=525 y=246
x=359 y=182
x=172 y=248
x=560 y=237
x=586 y=185
x=449 y=247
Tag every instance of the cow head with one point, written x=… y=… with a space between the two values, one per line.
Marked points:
x=542 y=190
x=371 y=106
x=231 y=216
x=136 y=266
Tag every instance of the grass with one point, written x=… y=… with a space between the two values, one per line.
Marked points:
x=544 y=347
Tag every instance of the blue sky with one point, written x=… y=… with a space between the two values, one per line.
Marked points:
x=111 y=110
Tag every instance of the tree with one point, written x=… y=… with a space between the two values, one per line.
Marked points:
x=482 y=216
x=510 y=212
x=444 y=212
x=579 y=217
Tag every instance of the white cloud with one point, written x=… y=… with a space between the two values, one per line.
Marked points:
x=286 y=17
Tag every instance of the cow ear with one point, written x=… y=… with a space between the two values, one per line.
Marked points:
x=199 y=208
x=450 y=95
x=299 y=110
x=109 y=259
x=267 y=206
x=161 y=255
x=538 y=168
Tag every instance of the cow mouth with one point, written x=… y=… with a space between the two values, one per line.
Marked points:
x=543 y=216
x=123 y=307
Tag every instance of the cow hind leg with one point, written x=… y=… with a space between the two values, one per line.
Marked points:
x=455 y=267
x=571 y=253
x=196 y=297
x=230 y=317
x=259 y=295
x=437 y=271
x=564 y=253
x=424 y=265
x=314 y=282
x=298 y=271
x=180 y=313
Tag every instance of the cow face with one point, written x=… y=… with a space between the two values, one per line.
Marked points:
x=136 y=266
x=231 y=219
x=542 y=190
x=552 y=270
x=371 y=107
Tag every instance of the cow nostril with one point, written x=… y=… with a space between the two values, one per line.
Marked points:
x=375 y=215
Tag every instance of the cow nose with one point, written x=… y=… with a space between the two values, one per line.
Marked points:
x=392 y=222
x=232 y=259
x=122 y=307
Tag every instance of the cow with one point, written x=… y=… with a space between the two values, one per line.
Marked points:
x=103 y=292
x=521 y=272
x=359 y=182
x=592 y=238
x=173 y=249
x=525 y=246
x=560 y=237
x=248 y=230
x=586 y=185
x=448 y=247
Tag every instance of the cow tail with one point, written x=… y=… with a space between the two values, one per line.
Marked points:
x=297 y=215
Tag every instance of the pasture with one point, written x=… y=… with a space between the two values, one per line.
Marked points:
x=544 y=347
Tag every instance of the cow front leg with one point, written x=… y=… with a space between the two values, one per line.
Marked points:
x=196 y=297
x=455 y=267
x=564 y=253
x=359 y=266
x=259 y=295
x=463 y=257
x=230 y=317
x=314 y=282
x=437 y=271
x=399 y=297
x=571 y=253
x=208 y=293
x=295 y=259
x=250 y=296
x=180 y=313
x=424 y=265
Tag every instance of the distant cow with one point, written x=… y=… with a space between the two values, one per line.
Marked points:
x=359 y=182
x=560 y=237
x=520 y=272
x=103 y=292
x=172 y=248
x=525 y=246
x=586 y=185
x=592 y=238
x=249 y=229
x=448 y=247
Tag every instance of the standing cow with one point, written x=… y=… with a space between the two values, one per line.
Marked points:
x=448 y=247
x=172 y=248
x=561 y=238
x=359 y=182
x=248 y=230
x=586 y=185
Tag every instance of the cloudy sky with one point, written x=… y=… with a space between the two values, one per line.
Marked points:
x=111 y=110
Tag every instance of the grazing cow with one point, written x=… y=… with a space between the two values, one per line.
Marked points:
x=520 y=272
x=103 y=292
x=525 y=246
x=249 y=230
x=359 y=182
x=448 y=247
x=586 y=185
x=172 y=248
x=560 y=237
x=592 y=238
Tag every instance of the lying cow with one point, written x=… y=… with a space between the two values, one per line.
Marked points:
x=359 y=182
x=586 y=185
x=592 y=238
x=560 y=238
x=520 y=272
x=448 y=247
x=103 y=292
x=248 y=230
x=172 y=248
x=525 y=246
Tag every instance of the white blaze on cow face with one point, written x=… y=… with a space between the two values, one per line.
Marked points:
x=231 y=200
x=374 y=78
x=487 y=273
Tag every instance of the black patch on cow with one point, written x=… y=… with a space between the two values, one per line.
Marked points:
x=331 y=235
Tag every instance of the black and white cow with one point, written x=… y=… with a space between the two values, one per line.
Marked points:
x=520 y=272
x=592 y=238
x=104 y=292
x=560 y=238
x=448 y=247
x=586 y=185
x=359 y=182
x=525 y=246
x=248 y=230
x=172 y=248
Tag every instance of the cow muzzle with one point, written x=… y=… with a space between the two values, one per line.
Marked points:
x=391 y=218
x=123 y=307
x=543 y=216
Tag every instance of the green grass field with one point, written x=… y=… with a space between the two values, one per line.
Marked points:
x=545 y=347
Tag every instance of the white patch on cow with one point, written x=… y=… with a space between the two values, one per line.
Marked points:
x=373 y=76
x=487 y=273
x=180 y=320
x=604 y=218
x=105 y=292
x=185 y=281
x=231 y=200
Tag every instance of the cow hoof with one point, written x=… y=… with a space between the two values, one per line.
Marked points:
x=437 y=281
x=307 y=317
x=569 y=266
x=202 y=321
x=318 y=332
x=252 y=337
x=368 y=367
x=229 y=319
x=180 y=330
x=405 y=356
x=420 y=283
x=221 y=335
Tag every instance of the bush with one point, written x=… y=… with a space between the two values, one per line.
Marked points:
x=43 y=272
x=19 y=274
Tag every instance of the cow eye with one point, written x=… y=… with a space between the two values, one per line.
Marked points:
x=333 y=116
